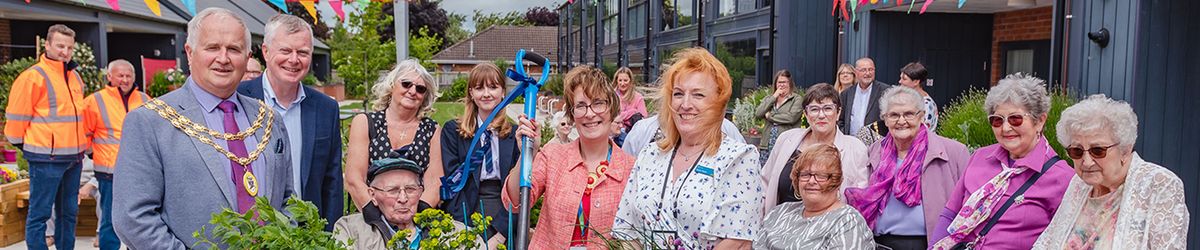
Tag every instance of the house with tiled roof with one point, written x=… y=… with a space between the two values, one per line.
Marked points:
x=496 y=42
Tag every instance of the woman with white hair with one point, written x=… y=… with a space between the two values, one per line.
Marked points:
x=402 y=99
x=1009 y=190
x=1116 y=200
x=911 y=170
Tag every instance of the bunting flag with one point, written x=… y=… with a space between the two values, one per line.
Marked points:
x=115 y=4
x=874 y=1
x=191 y=6
x=308 y=5
x=960 y=3
x=337 y=9
x=153 y=5
x=925 y=6
x=281 y=5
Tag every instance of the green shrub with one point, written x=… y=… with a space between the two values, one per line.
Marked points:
x=554 y=85
x=966 y=121
x=458 y=90
x=302 y=227
x=161 y=85
x=311 y=80
x=8 y=73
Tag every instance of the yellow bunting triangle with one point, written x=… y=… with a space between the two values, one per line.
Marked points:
x=153 y=5
x=308 y=5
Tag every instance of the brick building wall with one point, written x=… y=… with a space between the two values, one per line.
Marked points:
x=5 y=38
x=1020 y=25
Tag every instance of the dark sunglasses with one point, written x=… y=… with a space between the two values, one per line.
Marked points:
x=1015 y=120
x=1096 y=152
x=409 y=84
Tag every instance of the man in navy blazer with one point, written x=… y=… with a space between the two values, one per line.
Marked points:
x=310 y=117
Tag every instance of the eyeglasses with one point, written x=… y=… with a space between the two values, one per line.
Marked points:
x=818 y=177
x=865 y=70
x=1014 y=119
x=409 y=84
x=407 y=191
x=814 y=110
x=846 y=73
x=1096 y=152
x=908 y=116
x=597 y=107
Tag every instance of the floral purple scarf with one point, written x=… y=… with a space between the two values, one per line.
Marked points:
x=905 y=184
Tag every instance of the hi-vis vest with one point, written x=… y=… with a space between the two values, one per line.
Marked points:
x=44 y=109
x=102 y=119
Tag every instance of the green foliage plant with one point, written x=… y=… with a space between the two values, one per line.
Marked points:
x=8 y=73
x=263 y=227
x=966 y=121
x=442 y=232
x=456 y=92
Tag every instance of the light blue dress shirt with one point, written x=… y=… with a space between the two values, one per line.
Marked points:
x=291 y=120
x=215 y=119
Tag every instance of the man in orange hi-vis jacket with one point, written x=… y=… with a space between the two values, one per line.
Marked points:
x=103 y=117
x=44 y=121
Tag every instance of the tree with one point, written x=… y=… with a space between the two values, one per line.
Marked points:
x=421 y=13
x=455 y=31
x=359 y=52
x=541 y=16
x=422 y=46
x=484 y=21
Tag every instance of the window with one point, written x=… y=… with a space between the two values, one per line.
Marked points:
x=733 y=7
x=677 y=13
x=637 y=22
x=739 y=57
x=1019 y=61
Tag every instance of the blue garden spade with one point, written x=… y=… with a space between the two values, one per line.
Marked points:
x=454 y=182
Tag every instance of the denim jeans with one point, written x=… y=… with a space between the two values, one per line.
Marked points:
x=108 y=237
x=53 y=182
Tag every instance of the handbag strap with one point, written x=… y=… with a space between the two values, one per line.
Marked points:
x=996 y=216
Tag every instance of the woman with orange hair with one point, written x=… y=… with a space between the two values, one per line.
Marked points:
x=696 y=190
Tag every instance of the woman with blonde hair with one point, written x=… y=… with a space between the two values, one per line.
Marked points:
x=632 y=102
x=401 y=101
x=497 y=152
x=694 y=173
x=844 y=78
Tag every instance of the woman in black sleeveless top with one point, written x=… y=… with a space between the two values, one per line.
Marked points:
x=402 y=98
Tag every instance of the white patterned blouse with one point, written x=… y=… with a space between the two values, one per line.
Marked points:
x=720 y=197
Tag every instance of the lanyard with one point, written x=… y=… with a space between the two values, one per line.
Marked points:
x=667 y=181
x=583 y=214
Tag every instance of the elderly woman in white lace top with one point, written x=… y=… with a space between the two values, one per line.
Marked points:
x=1116 y=200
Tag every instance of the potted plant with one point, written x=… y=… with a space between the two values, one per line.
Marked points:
x=13 y=181
x=8 y=153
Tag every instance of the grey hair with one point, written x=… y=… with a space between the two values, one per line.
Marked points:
x=193 y=28
x=1095 y=113
x=383 y=87
x=118 y=62
x=290 y=24
x=900 y=94
x=1019 y=89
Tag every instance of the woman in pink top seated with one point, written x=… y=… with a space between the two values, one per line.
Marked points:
x=631 y=102
x=1018 y=107
x=581 y=181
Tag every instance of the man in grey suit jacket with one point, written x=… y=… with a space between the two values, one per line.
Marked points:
x=861 y=102
x=168 y=183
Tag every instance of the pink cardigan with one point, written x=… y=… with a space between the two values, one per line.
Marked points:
x=944 y=164
x=854 y=163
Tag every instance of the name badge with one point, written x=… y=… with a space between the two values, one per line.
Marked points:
x=704 y=170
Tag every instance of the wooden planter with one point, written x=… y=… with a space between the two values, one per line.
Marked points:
x=12 y=218
x=335 y=91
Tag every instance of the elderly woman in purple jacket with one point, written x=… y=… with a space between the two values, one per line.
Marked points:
x=1023 y=160
x=912 y=170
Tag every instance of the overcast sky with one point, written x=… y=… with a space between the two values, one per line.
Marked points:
x=466 y=8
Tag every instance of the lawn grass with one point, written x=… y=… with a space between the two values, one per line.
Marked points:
x=445 y=111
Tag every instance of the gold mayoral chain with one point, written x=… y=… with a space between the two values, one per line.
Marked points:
x=206 y=135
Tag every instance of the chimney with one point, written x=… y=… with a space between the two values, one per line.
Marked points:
x=472 y=49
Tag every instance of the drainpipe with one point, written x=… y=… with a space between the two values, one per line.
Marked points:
x=1058 y=45
x=622 y=22
x=598 y=29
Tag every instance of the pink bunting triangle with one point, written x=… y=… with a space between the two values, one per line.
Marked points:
x=114 y=4
x=336 y=5
x=926 y=6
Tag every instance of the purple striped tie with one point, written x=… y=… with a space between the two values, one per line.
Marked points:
x=238 y=148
